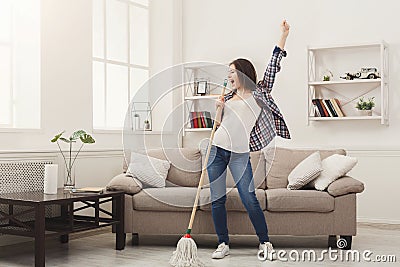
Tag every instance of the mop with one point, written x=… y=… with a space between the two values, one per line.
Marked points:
x=186 y=249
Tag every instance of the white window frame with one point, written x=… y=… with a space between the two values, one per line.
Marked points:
x=106 y=61
x=9 y=127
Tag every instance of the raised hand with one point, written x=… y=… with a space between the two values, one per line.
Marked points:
x=285 y=28
x=285 y=32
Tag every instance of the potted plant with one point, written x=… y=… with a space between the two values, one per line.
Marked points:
x=365 y=107
x=328 y=75
x=69 y=159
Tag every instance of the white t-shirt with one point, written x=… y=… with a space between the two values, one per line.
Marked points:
x=239 y=119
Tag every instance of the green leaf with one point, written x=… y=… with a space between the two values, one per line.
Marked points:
x=77 y=134
x=87 y=139
x=57 y=137
x=65 y=140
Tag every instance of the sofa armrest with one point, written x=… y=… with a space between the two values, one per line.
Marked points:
x=123 y=182
x=345 y=185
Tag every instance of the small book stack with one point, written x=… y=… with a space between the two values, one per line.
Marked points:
x=201 y=119
x=327 y=108
x=87 y=190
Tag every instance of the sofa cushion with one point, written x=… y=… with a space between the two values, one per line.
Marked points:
x=282 y=199
x=185 y=167
x=305 y=171
x=123 y=182
x=345 y=185
x=165 y=199
x=281 y=161
x=333 y=167
x=257 y=161
x=233 y=201
x=149 y=170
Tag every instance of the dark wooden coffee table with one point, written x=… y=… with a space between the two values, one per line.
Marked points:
x=68 y=222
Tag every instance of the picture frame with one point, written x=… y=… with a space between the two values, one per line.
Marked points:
x=201 y=87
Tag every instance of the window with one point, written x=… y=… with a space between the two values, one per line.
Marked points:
x=20 y=64
x=120 y=58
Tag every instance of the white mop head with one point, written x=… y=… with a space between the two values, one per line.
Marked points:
x=185 y=254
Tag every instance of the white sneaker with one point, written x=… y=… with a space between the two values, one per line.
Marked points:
x=266 y=252
x=221 y=251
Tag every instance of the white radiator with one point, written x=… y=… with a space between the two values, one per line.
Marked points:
x=21 y=176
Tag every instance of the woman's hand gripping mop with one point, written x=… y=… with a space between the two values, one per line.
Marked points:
x=186 y=249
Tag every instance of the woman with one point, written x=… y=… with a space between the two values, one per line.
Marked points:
x=250 y=121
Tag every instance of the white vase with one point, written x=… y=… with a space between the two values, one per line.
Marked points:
x=50 y=179
x=365 y=112
x=137 y=123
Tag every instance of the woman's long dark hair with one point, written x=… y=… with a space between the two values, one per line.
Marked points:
x=246 y=73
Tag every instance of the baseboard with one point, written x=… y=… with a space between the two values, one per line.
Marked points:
x=377 y=221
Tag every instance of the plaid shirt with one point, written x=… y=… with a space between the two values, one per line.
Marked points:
x=270 y=122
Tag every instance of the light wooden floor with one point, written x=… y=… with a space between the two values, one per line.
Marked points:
x=98 y=250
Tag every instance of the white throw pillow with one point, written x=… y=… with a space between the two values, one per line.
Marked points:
x=149 y=170
x=334 y=167
x=305 y=171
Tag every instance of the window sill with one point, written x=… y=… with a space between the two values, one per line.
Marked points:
x=20 y=130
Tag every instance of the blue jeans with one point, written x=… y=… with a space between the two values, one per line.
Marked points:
x=240 y=167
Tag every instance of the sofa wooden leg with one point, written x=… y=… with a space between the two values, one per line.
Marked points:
x=347 y=244
x=135 y=239
x=332 y=241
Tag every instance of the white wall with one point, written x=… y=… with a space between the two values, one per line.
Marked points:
x=223 y=30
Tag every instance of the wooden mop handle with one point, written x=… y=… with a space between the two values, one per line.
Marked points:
x=204 y=169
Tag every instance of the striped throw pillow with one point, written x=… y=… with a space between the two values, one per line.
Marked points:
x=150 y=171
x=306 y=171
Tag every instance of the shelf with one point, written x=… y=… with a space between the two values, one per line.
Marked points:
x=345 y=118
x=371 y=81
x=198 y=129
x=359 y=45
x=201 y=97
x=336 y=59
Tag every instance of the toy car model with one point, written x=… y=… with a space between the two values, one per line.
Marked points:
x=365 y=73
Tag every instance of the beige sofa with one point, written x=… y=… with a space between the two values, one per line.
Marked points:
x=288 y=212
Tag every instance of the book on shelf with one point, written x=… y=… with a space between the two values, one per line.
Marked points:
x=336 y=107
x=200 y=119
x=339 y=107
x=327 y=107
x=203 y=120
x=87 y=190
x=209 y=120
x=317 y=106
x=330 y=107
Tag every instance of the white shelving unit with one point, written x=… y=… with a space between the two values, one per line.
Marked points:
x=340 y=59
x=214 y=74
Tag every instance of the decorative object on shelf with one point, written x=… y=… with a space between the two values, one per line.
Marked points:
x=69 y=160
x=147 y=125
x=201 y=86
x=365 y=107
x=328 y=75
x=364 y=73
x=50 y=179
x=141 y=110
x=136 y=121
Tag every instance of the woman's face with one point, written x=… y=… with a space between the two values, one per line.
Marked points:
x=233 y=77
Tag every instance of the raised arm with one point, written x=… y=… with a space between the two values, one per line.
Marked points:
x=274 y=65
x=285 y=32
